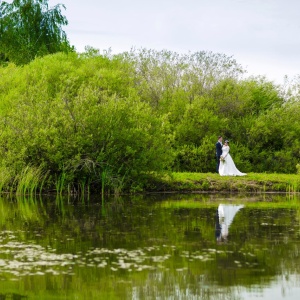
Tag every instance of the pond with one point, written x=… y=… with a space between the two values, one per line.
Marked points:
x=196 y=246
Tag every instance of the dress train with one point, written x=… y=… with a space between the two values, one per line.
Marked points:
x=227 y=166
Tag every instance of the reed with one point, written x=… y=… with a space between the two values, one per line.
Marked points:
x=82 y=186
x=60 y=183
x=44 y=178
x=33 y=180
x=29 y=180
x=5 y=179
x=103 y=181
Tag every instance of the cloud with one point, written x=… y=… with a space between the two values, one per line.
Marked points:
x=250 y=30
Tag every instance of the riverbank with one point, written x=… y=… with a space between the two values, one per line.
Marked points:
x=210 y=182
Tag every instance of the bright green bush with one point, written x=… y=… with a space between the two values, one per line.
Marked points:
x=81 y=120
x=71 y=122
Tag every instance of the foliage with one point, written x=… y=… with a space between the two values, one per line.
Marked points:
x=80 y=117
x=104 y=122
x=161 y=75
x=298 y=168
x=204 y=96
x=29 y=28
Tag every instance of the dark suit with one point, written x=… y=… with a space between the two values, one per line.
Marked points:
x=218 y=226
x=218 y=154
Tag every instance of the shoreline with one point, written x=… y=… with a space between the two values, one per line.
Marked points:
x=214 y=183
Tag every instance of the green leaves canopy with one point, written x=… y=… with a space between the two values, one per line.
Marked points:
x=28 y=28
x=115 y=119
x=80 y=117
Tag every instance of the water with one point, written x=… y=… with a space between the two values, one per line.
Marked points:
x=155 y=247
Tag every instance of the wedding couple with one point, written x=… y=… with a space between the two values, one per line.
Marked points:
x=224 y=218
x=225 y=164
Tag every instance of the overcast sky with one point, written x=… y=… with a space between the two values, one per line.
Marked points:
x=262 y=35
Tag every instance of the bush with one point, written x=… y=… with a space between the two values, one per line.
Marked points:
x=79 y=119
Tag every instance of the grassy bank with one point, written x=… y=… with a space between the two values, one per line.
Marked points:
x=210 y=182
x=32 y=182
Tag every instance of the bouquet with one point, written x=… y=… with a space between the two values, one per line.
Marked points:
x=222 y=159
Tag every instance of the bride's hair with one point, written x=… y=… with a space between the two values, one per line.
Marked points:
x=227 y=141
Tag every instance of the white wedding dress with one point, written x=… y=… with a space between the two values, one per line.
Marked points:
x=226 y=214
x=227 y=167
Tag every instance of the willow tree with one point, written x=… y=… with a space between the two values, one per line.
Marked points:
x=29 y=28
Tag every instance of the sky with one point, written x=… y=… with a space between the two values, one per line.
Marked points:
x=262 y=35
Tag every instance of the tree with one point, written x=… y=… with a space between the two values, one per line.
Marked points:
x=79 y=119
x=28 y=28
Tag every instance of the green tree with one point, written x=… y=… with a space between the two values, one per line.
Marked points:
x=161 y=76
x=29 y=28
x=79 y=118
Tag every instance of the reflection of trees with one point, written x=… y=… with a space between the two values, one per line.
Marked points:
x=13 y=296
x=166 y=285
x=263 y=242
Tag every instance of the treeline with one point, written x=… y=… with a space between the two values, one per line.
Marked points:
x=102 y=122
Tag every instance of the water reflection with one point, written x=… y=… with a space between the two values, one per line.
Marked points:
x=224 y=217
x=12 y=296
x=150 y=248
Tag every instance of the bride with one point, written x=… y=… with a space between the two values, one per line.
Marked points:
x=227 y=166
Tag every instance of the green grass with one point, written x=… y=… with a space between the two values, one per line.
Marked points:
x=31 y=180
x=192 y=204
x=212 y=182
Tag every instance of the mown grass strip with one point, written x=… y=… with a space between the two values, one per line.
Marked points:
x=210 y=182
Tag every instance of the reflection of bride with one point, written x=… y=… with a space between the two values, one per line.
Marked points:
x=225 y=215
x=227 y=166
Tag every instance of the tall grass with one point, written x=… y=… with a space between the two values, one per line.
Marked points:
x=111 y=183
x=60 y=183
x=32 y=180
x=5 y=179
x=29 y=180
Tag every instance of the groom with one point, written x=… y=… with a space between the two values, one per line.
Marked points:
x=218 y=151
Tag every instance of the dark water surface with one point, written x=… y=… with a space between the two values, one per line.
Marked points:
x=154 y=247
